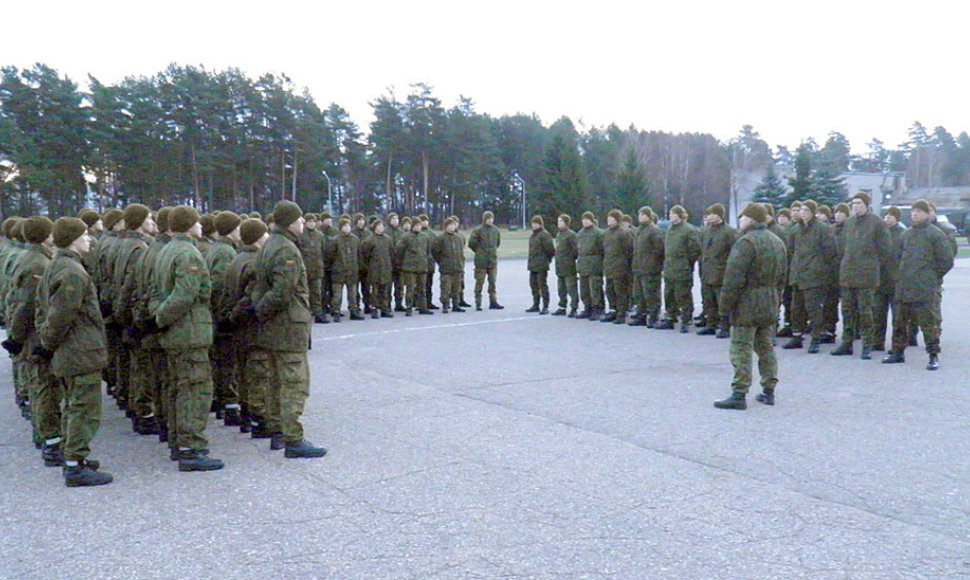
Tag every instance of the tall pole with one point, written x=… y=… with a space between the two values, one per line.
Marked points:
x=329 y=193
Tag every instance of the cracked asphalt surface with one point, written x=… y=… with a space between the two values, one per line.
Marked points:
x=501 y=444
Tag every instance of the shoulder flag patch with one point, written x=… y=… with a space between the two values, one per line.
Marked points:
x=290 y=263
x=193 y=269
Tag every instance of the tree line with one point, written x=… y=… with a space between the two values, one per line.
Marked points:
x=223 y=140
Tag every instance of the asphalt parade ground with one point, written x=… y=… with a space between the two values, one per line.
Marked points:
x=501 y=444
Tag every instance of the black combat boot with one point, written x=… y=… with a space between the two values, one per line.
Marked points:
x=52 y=455
x=336 y=317
x=735 y=401
x=444 y=309
x=894 y=358
x=458 y=309
x=162 y=431
x=572 y=314
x=535 y=306
x=594 y=315
x=813 y=346
x=706 y=332
x=190 y=460
x=356 y=315
x=303 y=448
x=684 y=328
x=793 y=342
x=665 y=324
x=828 y=338
x=375 y=314
x=559 y=312
x=639 y=319
x=407 y=312
x=232 y=418
x=608 y=317
x=842 y=350
x=146 y=425
x=620 y=319
x=934 y=363
x=866 y=353
x=545 y=306
x=276 y=442
x=424 y=311
x=259 y=429
x=766 y=398
x=82 y=475
x=387 y=314
x=584 y=314
x=478 y=305
x=723 y=333
x=495 y=306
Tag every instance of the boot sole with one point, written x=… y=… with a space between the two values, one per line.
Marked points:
x=291 y=455
x=187 y=468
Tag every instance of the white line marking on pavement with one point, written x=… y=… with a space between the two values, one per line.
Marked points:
x=416 y=328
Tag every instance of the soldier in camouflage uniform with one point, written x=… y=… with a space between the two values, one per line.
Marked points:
x=716 y=243
x=484 y=242
x=589 y=265
x=682 y=248
x=617 y=266
x=926 y=257
x=812 y=247
x=648 y=259
x=311 y=246
x=13 y=247
x=884 y=301
x=282 y=308
x=415 y=249
x=377 y=252
x=344 y=257
x=181 y=293
x=221 y=253
x=753 y=282
x=72 y=338
x=448 y=252
x=205 y=242
x=395 y=232
x=567 y=283
x=542 y=249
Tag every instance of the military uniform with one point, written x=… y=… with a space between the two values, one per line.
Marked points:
x=866 y=243
x=589 y=265
x=682 y=248
x=311 y=246
x=567 y=283
x=542 y=249
x=448 y=250
x=813 y=260
x=647 y=265
x=884 y=301
x=414 y=250
x=345 y=259
x=484 y=242
x=376 y=252
x=716 y=246
x=155 y=384
x=618 y=269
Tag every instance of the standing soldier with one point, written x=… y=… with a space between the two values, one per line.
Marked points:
x=541 y=251
x=566 y=282
x=114 y=227
x=753 y=282
x=376 y=251
x=715 y=249
x=617 y=266
x=448 y=252
x=866 y=243
x=782 y=228
x=328 y=232
x=182 y=290
x=589 y=265
x=72 y=338
x=648 y=260
x=283 y=312
x=221 y=253
x=427 y=232
x=205 y=242
x=682 y=248
x=361 y=232
x=12 y=250
x=884 y=297
x=484 y=241
x=813 y=249
x=344 y=257
x=92 y=219
x=927 y=257
x=415 y=249
x=311 y=246
x=394 y=231
x=43 y=390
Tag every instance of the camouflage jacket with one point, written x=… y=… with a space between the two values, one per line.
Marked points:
x=617 y=252
x=567 y=250
x=281 y=295
x=182 y=290
x=866 y=242
x=448 y=251
x=814 y=255
x=376 y=251
x=542 y=249
x=754 y=278
x=589 y=259
x=716 y=245
x=485 y=241
x=926 y=258
x=682 y=248
x=22 y=295
x=648 y=250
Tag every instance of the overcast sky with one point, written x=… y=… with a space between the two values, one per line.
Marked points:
x=791 y=69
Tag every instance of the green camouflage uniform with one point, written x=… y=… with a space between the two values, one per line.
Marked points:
x=448 y=251
x=926 y=257
x=542 y=249
x=223 y=359
x=376 y=252
x=647 y=265
x=567 y=284
x=716 y=243
x=813 y=259
x=682 y=248
x=589 y=265
x=485 y=241
x=311 y=246
x=866 y=248
x=344 y=260
x=237 y=308
x=618 y=267
x=414 y=250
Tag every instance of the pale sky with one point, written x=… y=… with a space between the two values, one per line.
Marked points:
x=791 y=69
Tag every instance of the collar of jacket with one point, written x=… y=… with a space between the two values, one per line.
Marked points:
x=40 y=248
x=183 y=236
x=68 y=254
x=756 y=226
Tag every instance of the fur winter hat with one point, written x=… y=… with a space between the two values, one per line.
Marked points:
x=922 y=205
x=895 y=212
x=38 y=228
x=286 y=212
x=716 y=209
x=7 y=226
x=405 y=220
x=566 y=219
x=785 y=212
x=343 y=222
x=135 y=215
x=537 y=219
x=226 y=221
x=825 y=210
x=183 y=218
x=251 y=230
x=810 y=204
x=89 y=217
x=487 y=215
x=588 y=215
x=615 y=214
x=679 y=210
x=863 y=196
x=842 y=208
x=66 y=230
x=208 y=222
x=755 y=211
x=161 y=218
x=111 y=217
x=770 y=209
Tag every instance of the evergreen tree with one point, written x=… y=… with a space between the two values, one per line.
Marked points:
x=801 y=184
x=771 y=189
x=563 y=188
x=632 y=185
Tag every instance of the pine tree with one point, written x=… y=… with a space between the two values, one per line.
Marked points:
x=771 y=189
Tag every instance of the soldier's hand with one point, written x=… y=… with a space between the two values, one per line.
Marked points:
x=12 y=346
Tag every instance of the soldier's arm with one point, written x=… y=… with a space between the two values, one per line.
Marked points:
x=63 y=309
x=735 y=274
x=187 y=280
x=21 y=306
x=945 y=258
x=473 y=240
x=126 y=275
x=284 y=272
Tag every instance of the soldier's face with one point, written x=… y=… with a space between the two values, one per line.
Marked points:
x=806 y=214
x=297 y=227
x=489 y=221
x=744 y=222
x=782 y=220
x=675 y=218
x=890 y=220
x=84 y=244
x=919 y=216
x=859 y=207
x=611 y=221
x=345 y=229
x=311 y=224
x=587 y=223
x=379 y=229
x=714 y=219
x=98 y=226
x=821 y=217
x=196 y=230
x=395 y=221
x=561 y=225
x=406 y=227
x=840 y=217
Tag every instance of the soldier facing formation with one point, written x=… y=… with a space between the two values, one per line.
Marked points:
x=183 y=315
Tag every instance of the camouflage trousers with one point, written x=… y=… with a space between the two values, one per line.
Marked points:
x=327 y=289
x=591 y=292
x=21 y=390
x=380 y=297
x=429 y=284
x=883 y=304
x=830 y=309
x=190 y=397
x=46 y=394
x=415 y=285
x=82 y=414
x=710 y=295
x=568 y=288
x=786 y=300
x=353 y=301
x=481 y=274
x=618 y=293
x=397 y=288
x=252 y=385
x=857 y=314
x=315 y=289
x=921 y=314
x=649 y=286
x=539 y=285
x=808 y=305
x=287 y=377
x=679 y=299
x=141 y=393
x=744 y=341
x=223 y=360
x=450 y=285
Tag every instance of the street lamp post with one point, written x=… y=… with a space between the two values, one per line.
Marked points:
x=329 y=193
x=521 y=183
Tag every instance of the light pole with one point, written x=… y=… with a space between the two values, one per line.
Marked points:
x=329 y=193
x=521 y=183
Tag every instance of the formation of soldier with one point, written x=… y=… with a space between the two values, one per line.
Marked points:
x=183 y=315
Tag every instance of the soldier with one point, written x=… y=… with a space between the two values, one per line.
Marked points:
x=181 y=293
x=205 y=242
x=283 y=311
x=648 y=258
x=682 y=248
x=589 y=265
x=754 y=279
x=139 y=228
x=926 y=257
x=447 y=251
x=376 y=252
x=329 y=231
x=429 y=283
x=221 y=252
x=72 y=338
x=782 y=228
x=567 y=283
x=394 y=232
x=715 y=248
x=813 y=255
x=830 y=312
x=114 y=227
x=236 y=307
x=415 y=249
x=92 y=219
x=884 y=302
x=823 y=214
x=311 y=246
x=345 y=257
x=484 y=241
x=866 y=243
x=541 y=251
x=13 y=247
x=952 y=241
x=617 y=267
x=43 y=390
